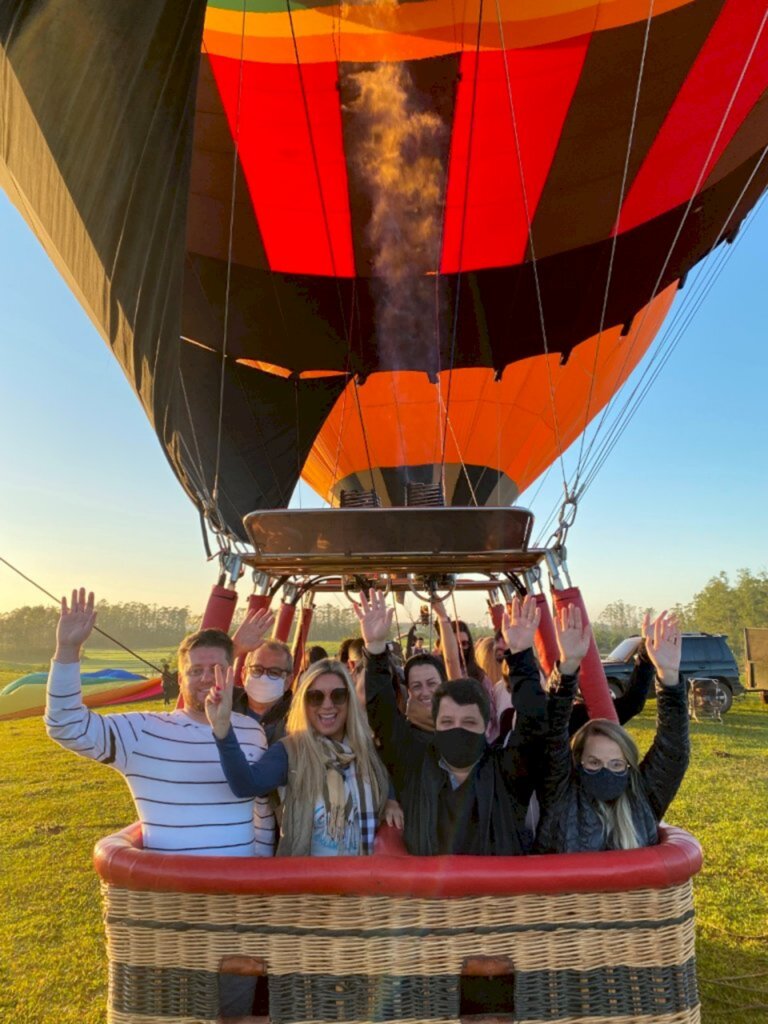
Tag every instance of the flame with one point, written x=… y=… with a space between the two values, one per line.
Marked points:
x=400 y=163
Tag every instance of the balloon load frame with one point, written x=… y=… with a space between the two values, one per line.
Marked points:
x=393 y=938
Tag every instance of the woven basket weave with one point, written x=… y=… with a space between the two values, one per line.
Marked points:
x=399 y=956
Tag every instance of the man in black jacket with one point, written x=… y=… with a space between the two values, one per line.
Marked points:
x=459 y=795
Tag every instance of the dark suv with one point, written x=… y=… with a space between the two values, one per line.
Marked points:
x=704 y=656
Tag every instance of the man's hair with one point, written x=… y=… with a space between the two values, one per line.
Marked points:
x=205 y=638
x=356 y=648
x=272 y=645
x=462 y=691
x=316 y=653
x=425 y=659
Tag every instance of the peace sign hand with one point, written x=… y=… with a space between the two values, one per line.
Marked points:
x=218 y=702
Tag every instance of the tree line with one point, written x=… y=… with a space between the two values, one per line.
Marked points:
x=721 y=606
x=28 y=633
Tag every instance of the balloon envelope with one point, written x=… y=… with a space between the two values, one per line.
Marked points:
x=378 y=243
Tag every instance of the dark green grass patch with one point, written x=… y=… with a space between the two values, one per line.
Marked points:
x=54 y=806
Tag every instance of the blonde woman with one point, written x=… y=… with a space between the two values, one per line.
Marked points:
x=597 y=793
x=485 y=656
x=335 y=785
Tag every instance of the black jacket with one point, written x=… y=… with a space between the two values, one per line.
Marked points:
x=498 y=789
x=569 y=822
x=273 y=722
x=631 y=702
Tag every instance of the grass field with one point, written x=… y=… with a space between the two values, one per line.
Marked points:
x=54 y=806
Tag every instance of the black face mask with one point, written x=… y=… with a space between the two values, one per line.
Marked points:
x=604 y=785
x=460 y=748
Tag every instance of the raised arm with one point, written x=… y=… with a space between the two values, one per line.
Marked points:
x=252 y=631
x=632 y=701
x=573 y=643
x=448 y=643
x=106 y=738
x=397 y=743
x=521 y=760
x=663 y=767
x=245 y=779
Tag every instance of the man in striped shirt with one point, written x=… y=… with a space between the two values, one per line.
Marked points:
x=169 y=760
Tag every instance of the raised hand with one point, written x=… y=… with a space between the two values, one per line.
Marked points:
x=375 y=619
x=218 y=702
x=573 y=638
x=520 y=622
x=663 y=643
x=75 y=625
x=438 y=607
x=253 y=630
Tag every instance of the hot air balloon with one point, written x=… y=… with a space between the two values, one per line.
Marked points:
x=386 y=243
x=408 y=252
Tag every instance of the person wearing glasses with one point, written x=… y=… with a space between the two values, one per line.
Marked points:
x=597 y=793
x=460 y=795
x=168 y=759
x=266 y=693
x=336 y=788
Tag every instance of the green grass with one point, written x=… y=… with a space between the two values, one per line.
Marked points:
x=54 y=806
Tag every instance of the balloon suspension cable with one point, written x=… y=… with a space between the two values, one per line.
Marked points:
x=230 y=249
x=531 y=247
x=457 y=633
x=101 y=632
x=261 y=582
x=615 y=237
x=462 y=232
x=559 y=577
x=231 y=566
x=328 y=233
x=556 y=550
x=533 y=580
x=673 y=243
x=397 y=618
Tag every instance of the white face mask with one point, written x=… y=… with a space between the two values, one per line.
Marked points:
x=264 y=690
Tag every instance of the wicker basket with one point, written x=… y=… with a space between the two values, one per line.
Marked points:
x=581 y=938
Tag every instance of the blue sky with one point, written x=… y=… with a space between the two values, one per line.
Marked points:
x=89 y=497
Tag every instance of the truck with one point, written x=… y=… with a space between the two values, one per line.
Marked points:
x=704 y=656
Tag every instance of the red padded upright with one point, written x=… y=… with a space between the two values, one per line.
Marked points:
x=546 y=641
x=220 y=609
x=592 y=681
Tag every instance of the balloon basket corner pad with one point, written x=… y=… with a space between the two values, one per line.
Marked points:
x=571 y=938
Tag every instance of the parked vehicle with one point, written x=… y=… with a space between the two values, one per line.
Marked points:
x=704 y=656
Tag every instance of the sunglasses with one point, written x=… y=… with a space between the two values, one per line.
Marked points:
x=339 y=697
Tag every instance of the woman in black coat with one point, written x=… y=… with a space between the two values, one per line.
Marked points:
x=597 y=794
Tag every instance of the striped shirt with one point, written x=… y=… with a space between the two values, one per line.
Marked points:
x=171 y=764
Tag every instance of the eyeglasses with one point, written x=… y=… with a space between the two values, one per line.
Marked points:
x=593 y=765
x=339 y=697
x=270 y=673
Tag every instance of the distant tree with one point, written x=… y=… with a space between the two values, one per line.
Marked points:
x=725 y=607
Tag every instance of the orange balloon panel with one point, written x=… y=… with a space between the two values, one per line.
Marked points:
x=501 y=435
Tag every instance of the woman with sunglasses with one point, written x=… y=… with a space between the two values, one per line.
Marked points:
x=597 y=793
x=336 y=787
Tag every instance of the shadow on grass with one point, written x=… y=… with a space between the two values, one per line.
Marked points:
x=733 y=977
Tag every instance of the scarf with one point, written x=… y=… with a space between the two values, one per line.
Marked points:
x=344 y=793
x=342 y=797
